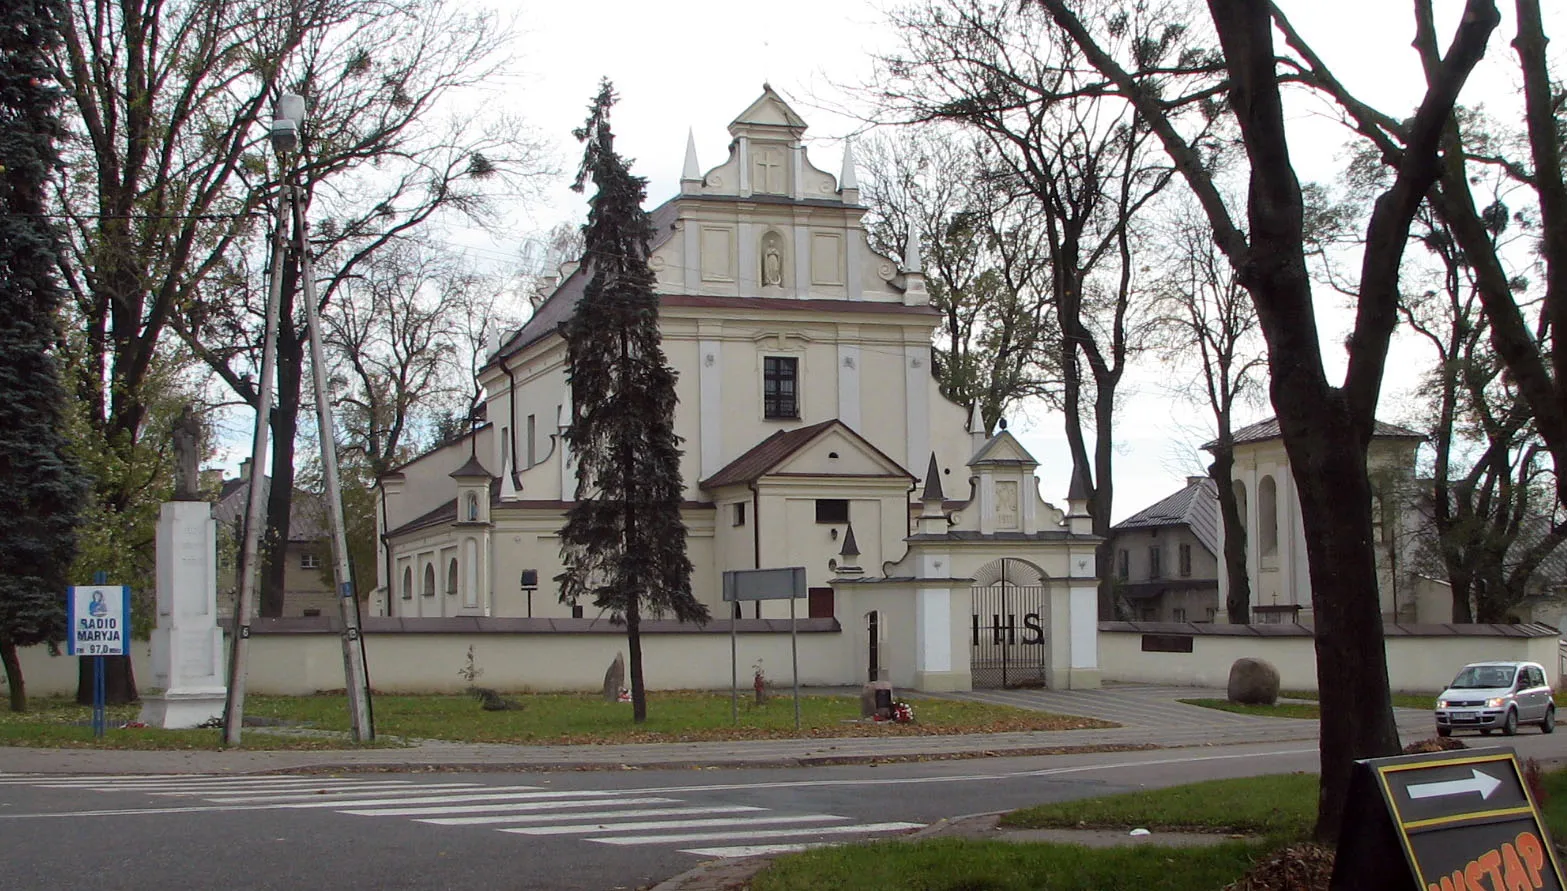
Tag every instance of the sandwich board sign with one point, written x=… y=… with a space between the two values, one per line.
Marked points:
x=99 y=620
x=1447 y=821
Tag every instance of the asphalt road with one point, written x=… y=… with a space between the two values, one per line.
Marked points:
x=563 y=830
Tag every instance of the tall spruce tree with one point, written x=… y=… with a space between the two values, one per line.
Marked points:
x=40 y=485
x=624 y=544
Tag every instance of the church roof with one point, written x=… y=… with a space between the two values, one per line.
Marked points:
x=769 y=110
x=1196 y=507
x=775 y=449
x=1269 y=429
x=1003 y=448
x=473 y=468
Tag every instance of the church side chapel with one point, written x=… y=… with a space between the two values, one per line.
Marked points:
x=814 y=433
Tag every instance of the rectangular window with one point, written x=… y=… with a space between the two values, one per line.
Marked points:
x=819 y=603
x=739 y=519
x=1123 y=565
x=1148 y=614
x=832 y=510
x=1186 y=561
x=532 y=432
x=780 y=387
x=309 y=560
x=1155 y=571
x=1179 y=615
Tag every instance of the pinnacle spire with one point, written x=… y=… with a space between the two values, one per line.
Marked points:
x=911 y=252
x=850 y=549
x=692 y=170
x=933 y=482
x=848 y=179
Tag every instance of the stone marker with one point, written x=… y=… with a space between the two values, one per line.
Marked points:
x=876 y=700
x=1254 y=682
x=615 y=678
x=187 y=644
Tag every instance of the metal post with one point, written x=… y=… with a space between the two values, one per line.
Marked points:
x=353 y=653
x=255 y=508
x=794 y=656
x=98 y=720
x=734 y=668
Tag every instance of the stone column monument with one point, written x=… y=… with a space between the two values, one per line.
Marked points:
x=187 y=644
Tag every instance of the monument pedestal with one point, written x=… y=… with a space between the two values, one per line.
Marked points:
x=187 y=645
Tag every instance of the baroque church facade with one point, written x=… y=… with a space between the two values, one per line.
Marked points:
x=814 y=435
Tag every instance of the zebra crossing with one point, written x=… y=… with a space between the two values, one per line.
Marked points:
x=608 y=817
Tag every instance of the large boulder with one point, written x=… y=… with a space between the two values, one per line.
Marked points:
x=1254 y=682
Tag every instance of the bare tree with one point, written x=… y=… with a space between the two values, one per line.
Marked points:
x=1326 y=429
x=983 y=260
x=1212 y=325
x=1089 y=168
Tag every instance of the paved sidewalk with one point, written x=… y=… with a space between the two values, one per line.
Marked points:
x=1150 y=718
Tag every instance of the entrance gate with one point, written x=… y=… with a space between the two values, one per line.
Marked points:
x=1009 y=634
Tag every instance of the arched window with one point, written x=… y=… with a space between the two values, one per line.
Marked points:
x=408 y=583
x=1240 y=501
x=451 y=576
x=429 y=579
x=1268 y=516
x=473 y=507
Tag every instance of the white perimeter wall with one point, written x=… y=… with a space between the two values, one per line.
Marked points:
x=1415 y=664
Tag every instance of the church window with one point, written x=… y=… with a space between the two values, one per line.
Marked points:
x=1268 y=516
x=832 y=510
x=1186 y=561
x=429 y=580
x=739 y=513
x=532 y=435
x=451 y=576
x=408 y=583
x=780 y=387
x=1154 y=569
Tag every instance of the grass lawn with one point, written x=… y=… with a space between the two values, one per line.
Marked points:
x=564 y=718
x=1422 y=701
x=968 y=865
x=542 y=719
x=1281 y=710
x=61 y=723
x=1280 y=806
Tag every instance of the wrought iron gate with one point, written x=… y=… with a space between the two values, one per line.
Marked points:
x=1009 y=636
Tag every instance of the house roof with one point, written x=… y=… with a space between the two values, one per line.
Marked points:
x=1196 y=506
x=1268 y=428
x=775 y=449
x=307 y=519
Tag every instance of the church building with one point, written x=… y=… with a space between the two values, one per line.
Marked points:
x=814 y=435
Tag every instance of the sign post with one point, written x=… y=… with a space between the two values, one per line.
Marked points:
x=1448 y=821
x=787 y=583
x=99 y=618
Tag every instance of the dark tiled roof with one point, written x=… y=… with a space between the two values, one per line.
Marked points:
x=307 y=520
x=1269 y=429
x=1196 y=507
x=473 y=468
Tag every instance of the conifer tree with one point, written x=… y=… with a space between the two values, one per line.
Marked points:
x=624 y=544
x=40 y=485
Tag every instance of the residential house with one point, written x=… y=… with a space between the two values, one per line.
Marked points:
x=1165 y=558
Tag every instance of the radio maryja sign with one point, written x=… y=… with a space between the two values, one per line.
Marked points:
x=100 y=620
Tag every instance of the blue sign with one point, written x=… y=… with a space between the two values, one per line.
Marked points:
x=100 y=620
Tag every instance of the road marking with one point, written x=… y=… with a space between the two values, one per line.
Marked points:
x=867 y=828
x=1479 y=781
x=640 y=825
x=752 y=850
x=591 y=815
x=499 y=808
x=434 y=799
x=228 y=797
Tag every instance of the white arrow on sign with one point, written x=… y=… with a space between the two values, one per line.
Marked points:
x=1480 y=782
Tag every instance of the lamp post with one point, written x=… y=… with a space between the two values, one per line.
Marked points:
x=287 y=123
x=530 y=583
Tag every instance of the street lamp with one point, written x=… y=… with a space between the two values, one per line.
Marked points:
x=288 y=118
x=530 y=583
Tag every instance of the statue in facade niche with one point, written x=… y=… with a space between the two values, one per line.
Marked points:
x=772 y=266
x=187 y=456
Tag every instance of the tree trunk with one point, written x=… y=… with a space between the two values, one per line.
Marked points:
x=119 y=680
x=634 y=645
x=1335 y=503
x=1237 y=601
x=13 y=673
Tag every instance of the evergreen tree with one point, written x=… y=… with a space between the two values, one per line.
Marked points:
x=624 y=544
x=40 y=485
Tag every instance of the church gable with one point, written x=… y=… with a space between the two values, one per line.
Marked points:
x=838 y=451
x=1003 y=448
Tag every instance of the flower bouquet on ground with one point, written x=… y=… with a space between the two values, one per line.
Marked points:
x=902 y=713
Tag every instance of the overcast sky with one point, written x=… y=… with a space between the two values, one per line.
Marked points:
x=695 y=64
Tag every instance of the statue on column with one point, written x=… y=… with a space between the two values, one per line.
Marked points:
x=187 y=456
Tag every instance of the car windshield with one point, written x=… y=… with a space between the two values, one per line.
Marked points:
x=1481 y=677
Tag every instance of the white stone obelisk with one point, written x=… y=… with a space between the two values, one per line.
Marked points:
x=187 y=645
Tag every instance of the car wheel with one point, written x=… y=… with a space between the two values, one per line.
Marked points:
x=1448 y=731
x=1510 y=723
x=1549 y=724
